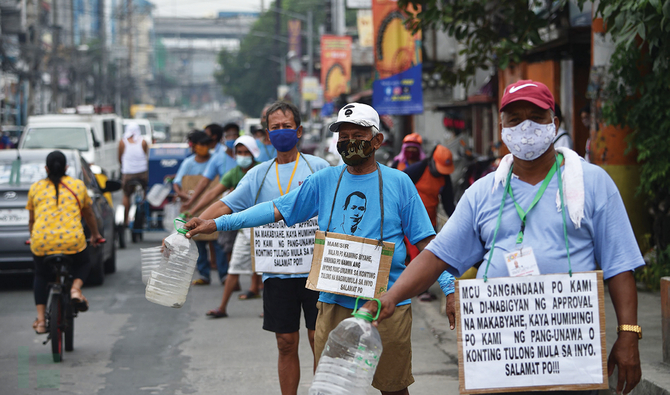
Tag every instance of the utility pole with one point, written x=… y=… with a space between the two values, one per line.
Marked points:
x=55 y=41
x=129 y=21
x=282 y=72
x=102 y=35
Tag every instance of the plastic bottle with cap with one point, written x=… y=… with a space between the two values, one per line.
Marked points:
x=168 y=284
x=350 y=357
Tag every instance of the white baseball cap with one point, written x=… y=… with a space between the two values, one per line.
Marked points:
x=250 y=143
x=358 y=114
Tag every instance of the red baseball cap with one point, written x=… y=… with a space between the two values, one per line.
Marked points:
x=530 y=91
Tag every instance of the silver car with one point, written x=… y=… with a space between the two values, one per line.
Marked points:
x=15 y=255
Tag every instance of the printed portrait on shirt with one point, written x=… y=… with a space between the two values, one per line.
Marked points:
x=353 y=211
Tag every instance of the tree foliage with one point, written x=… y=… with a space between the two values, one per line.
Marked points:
x=251 y=75
x=493 y=33
x=637 y=95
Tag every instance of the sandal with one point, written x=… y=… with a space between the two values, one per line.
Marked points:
x=40 y=326
x=78 y=300
x=249 y=295
x=216 y=313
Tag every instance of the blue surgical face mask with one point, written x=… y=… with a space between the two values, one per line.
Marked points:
x=284 y=139
x=230 y=144
x=244 y=161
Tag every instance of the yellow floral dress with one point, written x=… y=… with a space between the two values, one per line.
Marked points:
x=57 y=228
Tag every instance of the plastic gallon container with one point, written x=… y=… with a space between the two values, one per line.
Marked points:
x=350 y=357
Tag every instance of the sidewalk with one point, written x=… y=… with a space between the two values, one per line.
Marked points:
x=655 y=374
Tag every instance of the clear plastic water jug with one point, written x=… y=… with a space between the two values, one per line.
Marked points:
x=350 y=357
x=159 y=192
x=151 y=259
x=168 y=284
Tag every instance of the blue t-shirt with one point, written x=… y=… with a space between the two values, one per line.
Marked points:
x=244 y=195
x=357 y=212
x=189 y=167
x=605 y=235
x=267 y=151
x=219 y=164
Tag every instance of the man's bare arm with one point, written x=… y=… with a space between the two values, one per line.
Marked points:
x=208 y=196
x=625 y=353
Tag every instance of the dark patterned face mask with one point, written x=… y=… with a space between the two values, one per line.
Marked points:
x=355 y=151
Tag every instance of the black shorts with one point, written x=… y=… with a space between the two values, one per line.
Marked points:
x=282 y=301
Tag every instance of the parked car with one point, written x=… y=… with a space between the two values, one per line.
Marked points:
x=15 y=255
x=96 y=136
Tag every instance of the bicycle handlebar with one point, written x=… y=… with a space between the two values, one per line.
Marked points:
x=99 y=241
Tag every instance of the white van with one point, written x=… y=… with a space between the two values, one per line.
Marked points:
x=96 y=136
x=145 y=127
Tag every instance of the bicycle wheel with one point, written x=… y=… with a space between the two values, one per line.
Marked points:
x=69 y=327
x=56 y=327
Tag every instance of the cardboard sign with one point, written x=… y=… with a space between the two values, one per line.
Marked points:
x=534 y=333
x=277 y=248
x=188 y=184
x=350 y=265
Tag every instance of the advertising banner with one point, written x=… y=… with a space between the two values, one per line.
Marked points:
x=532 y=333
x=335 y=66
x=397 y=88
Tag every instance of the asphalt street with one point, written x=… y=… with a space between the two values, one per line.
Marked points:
x=127 y=345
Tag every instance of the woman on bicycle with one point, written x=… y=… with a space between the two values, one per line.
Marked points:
x=56 y=205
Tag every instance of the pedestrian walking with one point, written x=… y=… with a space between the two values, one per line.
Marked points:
x=284 y=295
x=349 y=199
x=489 y=222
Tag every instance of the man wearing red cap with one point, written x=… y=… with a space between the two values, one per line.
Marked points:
x=517 y=206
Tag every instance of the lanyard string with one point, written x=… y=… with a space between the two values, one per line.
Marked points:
x=555 y=169
x=270 y=167
x=290 y=181
x=524 y=214
x=381 y=203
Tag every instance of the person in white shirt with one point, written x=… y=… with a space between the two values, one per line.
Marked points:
x=133 y=150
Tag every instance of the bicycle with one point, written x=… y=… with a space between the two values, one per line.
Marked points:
x=60 y=312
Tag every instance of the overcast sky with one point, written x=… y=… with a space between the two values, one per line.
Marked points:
x=204 y=8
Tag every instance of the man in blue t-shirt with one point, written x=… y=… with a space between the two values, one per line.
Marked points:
x=593 y=223
x=356 y=192
x=284 y=295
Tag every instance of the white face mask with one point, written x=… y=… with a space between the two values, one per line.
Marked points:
x=529 y=140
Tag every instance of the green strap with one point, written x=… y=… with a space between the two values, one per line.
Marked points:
x=555 y=168
x=524 y=214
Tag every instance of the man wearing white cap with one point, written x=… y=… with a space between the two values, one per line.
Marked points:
x=348 y=199
x=284 y=295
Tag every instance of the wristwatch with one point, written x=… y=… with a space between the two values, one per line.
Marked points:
x=630 y=328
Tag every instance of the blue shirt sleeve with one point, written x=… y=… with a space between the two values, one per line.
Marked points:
x=294 y=207
x=242 y=197
x=447 y=282
x=183 y=168
x=212 y=169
